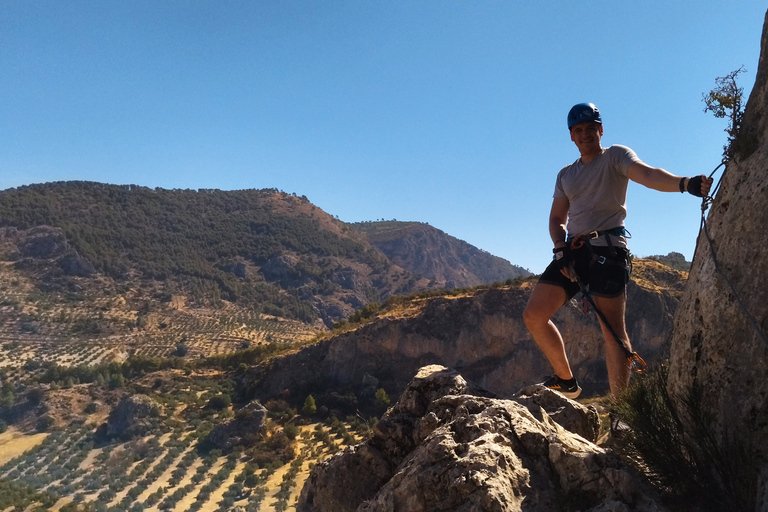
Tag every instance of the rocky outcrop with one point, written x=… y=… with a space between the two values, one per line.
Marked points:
x=132 y=417
x=42 y=242
x=575 y=417
x=445 y=447
x=482 y=335
x=38 y=247
x=242 y=430
x=715 y=348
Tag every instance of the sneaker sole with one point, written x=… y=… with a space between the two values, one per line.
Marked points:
x=568 y=394
x=571 y=394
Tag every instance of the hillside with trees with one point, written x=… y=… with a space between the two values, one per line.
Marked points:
x=266 y=250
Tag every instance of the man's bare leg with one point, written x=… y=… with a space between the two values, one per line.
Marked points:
x=545 y=300
x=619 y=367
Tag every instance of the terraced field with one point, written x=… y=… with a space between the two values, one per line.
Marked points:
x=71 y=465
x=162 y=471
x=110 y=323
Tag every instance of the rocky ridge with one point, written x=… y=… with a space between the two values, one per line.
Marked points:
x=447 y=446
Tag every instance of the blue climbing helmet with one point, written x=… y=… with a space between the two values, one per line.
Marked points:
x=583 y=112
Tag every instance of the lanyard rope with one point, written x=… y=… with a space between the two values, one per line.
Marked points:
x=637 y=362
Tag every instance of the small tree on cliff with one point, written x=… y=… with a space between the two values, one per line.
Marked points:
x=726 y=101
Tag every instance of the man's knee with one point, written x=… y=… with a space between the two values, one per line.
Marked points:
x=544 y=302
x=534 y=316
x=530 y=317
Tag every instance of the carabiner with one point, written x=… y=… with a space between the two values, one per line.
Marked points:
x=638 y=364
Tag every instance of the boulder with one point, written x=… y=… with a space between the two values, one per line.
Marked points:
x=132 y=417
x=445 y=447
x=243 y=429
x=72 y=264
x=43 y=242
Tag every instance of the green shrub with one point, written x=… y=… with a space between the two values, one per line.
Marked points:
x=44 y=423
x=381 y=400
x=674 y=440
x=219 y=402
x=291 y=431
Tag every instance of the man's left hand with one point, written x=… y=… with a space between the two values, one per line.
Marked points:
x=699 y=186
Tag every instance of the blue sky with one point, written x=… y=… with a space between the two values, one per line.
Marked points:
x=446 y=112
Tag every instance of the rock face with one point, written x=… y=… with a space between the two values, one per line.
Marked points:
x=714 y=346
x=447 y=261
x=32 y=248
x=482 y=336
x=443 y=447
x=243 y=429
x=132 y=417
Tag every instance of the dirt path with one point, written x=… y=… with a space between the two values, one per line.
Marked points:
x=273 y=484
x=300 y=479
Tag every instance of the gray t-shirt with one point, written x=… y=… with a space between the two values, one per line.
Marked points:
x=597 y=192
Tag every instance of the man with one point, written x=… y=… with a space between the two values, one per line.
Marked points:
x=589 y=206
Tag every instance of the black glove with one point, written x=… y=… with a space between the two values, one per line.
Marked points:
x=694 y=186
x=562 y=256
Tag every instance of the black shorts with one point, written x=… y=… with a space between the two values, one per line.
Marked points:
x=603 y=270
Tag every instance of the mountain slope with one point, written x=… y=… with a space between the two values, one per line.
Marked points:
x=263 y=250
x=447 y=261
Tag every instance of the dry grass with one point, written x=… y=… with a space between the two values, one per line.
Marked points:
x=14 y=443
x=652 y=275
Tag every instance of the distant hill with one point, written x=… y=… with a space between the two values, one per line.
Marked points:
x=265 y=250
x=429 y=252
x=674 y=260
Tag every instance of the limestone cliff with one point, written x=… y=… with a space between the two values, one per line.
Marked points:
x=714 y=346
x=447 y=261
x=445 y=447
x=482 y=335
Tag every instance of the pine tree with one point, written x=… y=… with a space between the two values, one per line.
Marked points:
x=310 y=407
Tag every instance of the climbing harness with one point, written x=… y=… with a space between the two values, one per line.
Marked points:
x=705 y=202
x=636 y=362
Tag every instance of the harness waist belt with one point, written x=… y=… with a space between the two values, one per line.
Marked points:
x=620 y=231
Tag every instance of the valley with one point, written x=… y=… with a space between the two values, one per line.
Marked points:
x=60 y=389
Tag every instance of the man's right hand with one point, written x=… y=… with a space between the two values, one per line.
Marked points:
x=562 y=256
